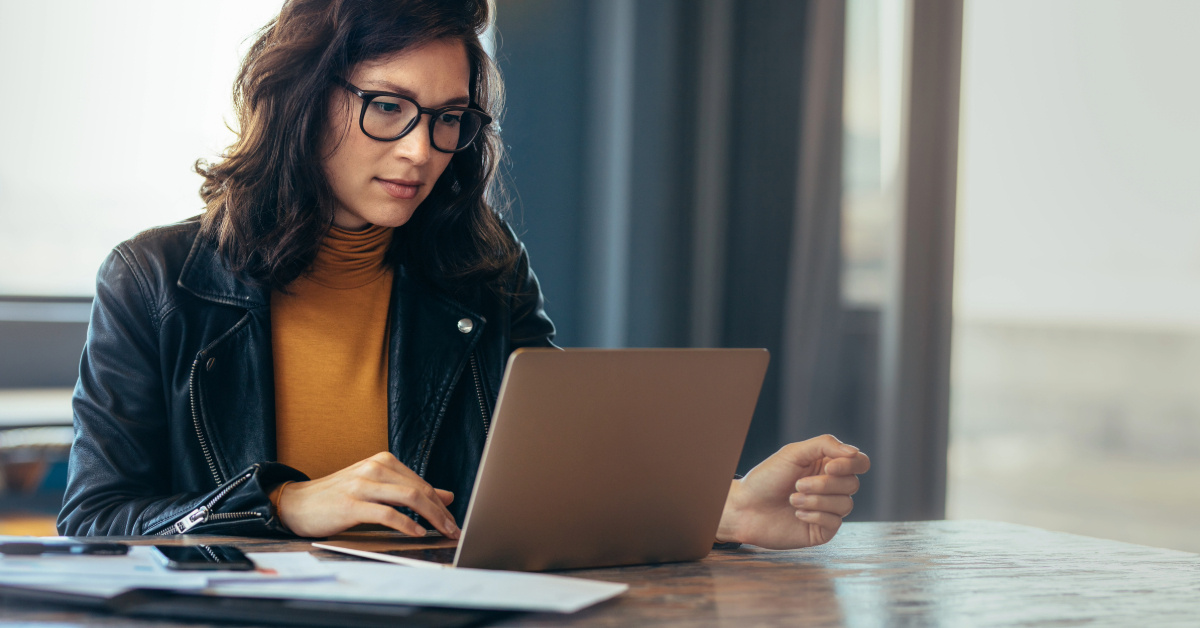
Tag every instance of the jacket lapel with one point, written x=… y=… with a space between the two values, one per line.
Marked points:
x=234 y=370
x=429 y=351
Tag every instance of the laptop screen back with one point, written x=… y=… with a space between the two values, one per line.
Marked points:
x=609 y=457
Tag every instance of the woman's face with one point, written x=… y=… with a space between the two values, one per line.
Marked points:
x=382 y=183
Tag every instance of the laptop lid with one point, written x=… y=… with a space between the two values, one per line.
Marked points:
x=602 y=457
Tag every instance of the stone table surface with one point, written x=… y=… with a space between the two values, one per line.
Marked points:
x=932 y=573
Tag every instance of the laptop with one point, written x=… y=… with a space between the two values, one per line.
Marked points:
x=602 y=457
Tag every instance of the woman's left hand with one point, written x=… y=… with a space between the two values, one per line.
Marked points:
x=795 y=498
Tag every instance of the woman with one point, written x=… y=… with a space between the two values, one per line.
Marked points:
x=322 y=348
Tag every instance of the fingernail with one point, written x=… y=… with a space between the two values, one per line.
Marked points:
x=449 y=525
x=800 y=514
x=421 y=531
x=850 y=449
x=796 y=499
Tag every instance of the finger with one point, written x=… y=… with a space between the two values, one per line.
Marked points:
x=840 y=505
x=855 y=465
x=384 y=462
x=828 y=485
x=384 y=469
x=814 y=449
x=369 y=512
x=828 y=522
x=423 y=499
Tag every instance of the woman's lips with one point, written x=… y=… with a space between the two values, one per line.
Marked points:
x=400 y=189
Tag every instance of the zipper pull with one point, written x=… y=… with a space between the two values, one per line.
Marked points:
x=191 y=520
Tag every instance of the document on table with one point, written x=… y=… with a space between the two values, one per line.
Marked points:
x=381 y=583
x=109 y=575
x=301 y=576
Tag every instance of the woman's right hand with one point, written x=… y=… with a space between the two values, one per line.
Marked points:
x=365 y=492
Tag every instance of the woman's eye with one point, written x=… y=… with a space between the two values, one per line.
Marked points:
x=386 y=107
x=449 y=118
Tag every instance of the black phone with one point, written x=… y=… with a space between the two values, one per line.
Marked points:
x=195 y=557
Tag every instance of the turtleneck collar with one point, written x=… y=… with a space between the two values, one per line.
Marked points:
x=351 y=259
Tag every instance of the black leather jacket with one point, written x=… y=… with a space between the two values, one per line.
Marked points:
x=175 y=404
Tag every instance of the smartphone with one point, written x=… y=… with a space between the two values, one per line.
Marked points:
x=193 y=557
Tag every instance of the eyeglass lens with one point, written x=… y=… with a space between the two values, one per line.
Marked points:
x=388 y=117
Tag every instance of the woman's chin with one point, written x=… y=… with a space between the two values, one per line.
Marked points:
x=382 y=217
x=392 y=220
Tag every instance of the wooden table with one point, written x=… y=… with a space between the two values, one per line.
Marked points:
x=943 y=573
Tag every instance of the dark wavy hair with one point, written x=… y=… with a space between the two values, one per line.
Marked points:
x=268 y=203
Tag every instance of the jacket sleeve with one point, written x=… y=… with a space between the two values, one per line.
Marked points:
x=531 y=327
x=119 y=473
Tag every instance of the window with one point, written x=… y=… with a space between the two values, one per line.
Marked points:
x=107 y=105
x=1076 y=378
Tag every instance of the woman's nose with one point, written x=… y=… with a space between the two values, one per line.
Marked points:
x=415 y=146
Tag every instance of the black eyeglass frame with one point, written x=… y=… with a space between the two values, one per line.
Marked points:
x=367 y=97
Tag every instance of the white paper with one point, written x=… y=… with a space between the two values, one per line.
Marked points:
x=277 y=567
x=138 y=564
x=457 y=588
x=104 y=587
x=109 y=575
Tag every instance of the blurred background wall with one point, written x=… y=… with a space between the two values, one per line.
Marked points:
x=1076 y=373
x=776 y=173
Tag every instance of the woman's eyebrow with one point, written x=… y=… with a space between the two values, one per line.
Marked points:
x=385 y=86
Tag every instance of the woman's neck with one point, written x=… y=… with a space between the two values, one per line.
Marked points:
x=349 y=259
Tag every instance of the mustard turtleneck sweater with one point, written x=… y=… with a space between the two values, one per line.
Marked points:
x=329 y=337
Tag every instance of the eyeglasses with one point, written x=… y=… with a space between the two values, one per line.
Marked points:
x=388 y=117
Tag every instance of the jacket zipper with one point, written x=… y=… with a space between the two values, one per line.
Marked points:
x=204 y=513
x=479 y=394
x=208 y=458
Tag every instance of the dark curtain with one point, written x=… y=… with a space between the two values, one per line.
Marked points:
x=677 y=176
x=678 y=169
